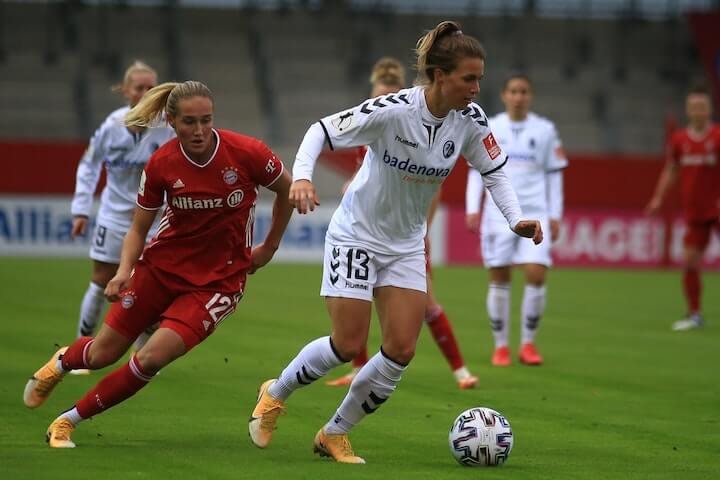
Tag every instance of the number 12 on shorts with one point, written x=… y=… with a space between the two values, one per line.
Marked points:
x=219 y=307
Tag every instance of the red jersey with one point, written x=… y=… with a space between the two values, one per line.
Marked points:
x=699 y=159
x=205 y=235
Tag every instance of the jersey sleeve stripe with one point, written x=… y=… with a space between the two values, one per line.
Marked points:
x=496 y=168
x=148 y=208
x=327 y=135
x=557 y=169
x=276 y=178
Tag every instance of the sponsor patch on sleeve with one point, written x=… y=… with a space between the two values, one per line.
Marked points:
x=344 y=121
x=491 y=146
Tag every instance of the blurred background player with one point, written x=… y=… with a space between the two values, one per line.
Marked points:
x=693 y=153
x=388 y=76
x=193 y=272
x=535 y=163
x=374 y=246
x=124 y=151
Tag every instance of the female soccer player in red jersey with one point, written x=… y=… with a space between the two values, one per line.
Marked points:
x=388 y=76
x=192 y=273
x=693 y=153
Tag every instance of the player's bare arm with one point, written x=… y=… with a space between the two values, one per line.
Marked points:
x=282 y=211
x=667 y=179
x=132 y=249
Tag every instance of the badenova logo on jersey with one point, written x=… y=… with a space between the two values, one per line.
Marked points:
x=418 y=173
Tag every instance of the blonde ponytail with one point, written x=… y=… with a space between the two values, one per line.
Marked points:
x=164 y=97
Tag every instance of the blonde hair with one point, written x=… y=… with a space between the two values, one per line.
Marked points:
x=164 y=97
x=388 y=71
x=136 y=67
x=443 y=47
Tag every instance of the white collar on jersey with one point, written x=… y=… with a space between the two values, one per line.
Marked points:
x=425 y=113
x=217 y=145
x=696 y=136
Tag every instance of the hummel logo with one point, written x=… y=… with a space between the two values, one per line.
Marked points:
x=336 y=252
x=334 y=265
x=178 y=184
x=334 y=278
x=206 y=324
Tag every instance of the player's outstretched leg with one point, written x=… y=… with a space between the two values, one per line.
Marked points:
x=42 y=383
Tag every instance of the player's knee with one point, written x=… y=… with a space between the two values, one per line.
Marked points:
x=152 y=360
x=102 y=357
x=349 y=348
x=401 y=354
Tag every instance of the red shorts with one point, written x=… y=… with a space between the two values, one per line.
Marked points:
x=698 y=233
x=192 y=314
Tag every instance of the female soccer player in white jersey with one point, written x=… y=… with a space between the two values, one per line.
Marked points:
x=124 y=151
x=534 y=167
x=388 y=76
x=374 y=247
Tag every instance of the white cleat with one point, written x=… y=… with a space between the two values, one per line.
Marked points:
x=692 y=322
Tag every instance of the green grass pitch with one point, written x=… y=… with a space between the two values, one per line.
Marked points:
x=621 y=396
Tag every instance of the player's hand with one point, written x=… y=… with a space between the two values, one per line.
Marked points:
x=653 y=206
x=472 y=222
x=530 y=229
x=303 y=197
x=260 y=257
x=117 y=284
x=79 y=224
x=554 y=229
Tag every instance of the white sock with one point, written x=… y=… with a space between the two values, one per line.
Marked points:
x=314 y=361
x=90 y=310
x=72 y=415
x=461 y=373
x=372 y=386
x=533 y=307
x=498 y=308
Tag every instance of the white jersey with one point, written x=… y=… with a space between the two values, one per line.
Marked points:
x=124 y=154
x=410 y=153
x=534 y=150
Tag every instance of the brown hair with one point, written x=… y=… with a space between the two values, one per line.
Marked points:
x=699 y=87
x=516 y=75
x=443 y=47
x=164 y=97
x=135 y=67
x=388 y=71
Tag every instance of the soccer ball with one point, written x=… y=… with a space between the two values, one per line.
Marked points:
x=480 y=437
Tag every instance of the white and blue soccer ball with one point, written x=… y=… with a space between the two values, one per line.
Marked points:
x=481 y=437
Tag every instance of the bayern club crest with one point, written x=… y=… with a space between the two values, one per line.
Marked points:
x=128 y=300
x=230 y=175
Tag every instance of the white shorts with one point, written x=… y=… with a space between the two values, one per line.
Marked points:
x=501 y=247
x=354 y=272
x=106 y=244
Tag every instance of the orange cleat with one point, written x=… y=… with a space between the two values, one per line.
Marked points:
x=42 y=383
x=58 y=433
x=335 y=446
x=264 y=417
x=468 y=382
x=529 y=355
x=501 y=357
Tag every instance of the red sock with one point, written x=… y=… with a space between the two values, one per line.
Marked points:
x=692 y=288
x=442 y=332
x=361 y=359
x=116 y=387
x=76 y=355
